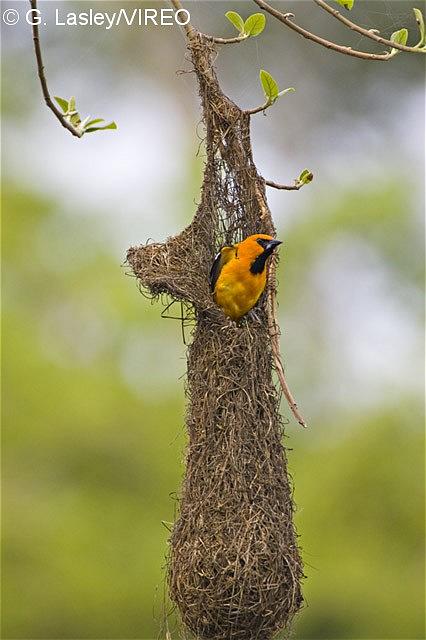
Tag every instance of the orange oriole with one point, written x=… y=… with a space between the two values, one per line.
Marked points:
x=238 y=274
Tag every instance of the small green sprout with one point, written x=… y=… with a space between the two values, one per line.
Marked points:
x=253 y=26
x=347 y=4
x=82 y=126
x=305 y=177
x=270 y=87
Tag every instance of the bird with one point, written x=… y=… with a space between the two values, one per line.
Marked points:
x=238 y=274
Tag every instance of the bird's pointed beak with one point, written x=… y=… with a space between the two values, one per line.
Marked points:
x=272 y=245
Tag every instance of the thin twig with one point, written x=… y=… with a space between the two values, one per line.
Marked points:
x=263 y=107
x=217 y=40
x=368 y=33
x=288 y=187
x=274 y=335
x=273 y=327
x=40 y=68
x=287 y=19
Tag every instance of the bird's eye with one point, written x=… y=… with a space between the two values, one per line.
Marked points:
x=262 y=242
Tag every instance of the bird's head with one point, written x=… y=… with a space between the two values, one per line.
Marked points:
x=267 y=243
x=259 y=244
x=257 y=248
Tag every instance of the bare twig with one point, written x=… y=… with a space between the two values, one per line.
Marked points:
x=287 y=187
x=287 y=19
x=368 y=33
x=273 y=327
x=274 y=334
x=40 y=68
x=217 y=40
x=263 y=107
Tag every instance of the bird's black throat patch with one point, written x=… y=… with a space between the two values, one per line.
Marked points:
x=258 y=265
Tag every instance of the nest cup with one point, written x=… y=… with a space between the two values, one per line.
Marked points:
x=234 y=569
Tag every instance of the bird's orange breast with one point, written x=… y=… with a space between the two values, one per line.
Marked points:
x=237 y=289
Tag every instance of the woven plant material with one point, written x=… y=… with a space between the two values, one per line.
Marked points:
x=234 y=569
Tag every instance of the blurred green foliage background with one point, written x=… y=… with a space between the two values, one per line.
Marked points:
x=93 y=379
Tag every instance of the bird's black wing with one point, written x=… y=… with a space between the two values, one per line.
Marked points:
x=225 y=255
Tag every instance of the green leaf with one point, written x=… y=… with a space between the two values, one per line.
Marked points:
x=400 y=37
x=306 y=177
x=75 y=119
x=71 y=104
x=347 y=4
x=421 y=24
x=111 y=125
x=269 y=86
x=62 y=103
x=254 y=24
x=236 y=20
x=96 y=121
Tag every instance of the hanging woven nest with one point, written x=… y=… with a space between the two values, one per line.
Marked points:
x=234 y=568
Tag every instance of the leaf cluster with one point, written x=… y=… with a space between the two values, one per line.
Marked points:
x=87 y=125
x=253 y=26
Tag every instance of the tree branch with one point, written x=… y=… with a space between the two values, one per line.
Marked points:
x=368 y=33
x=40 y=68
x=217 y=40
x=287 y=187
x=189 y=29
x=287 y=19
x=263 y=107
